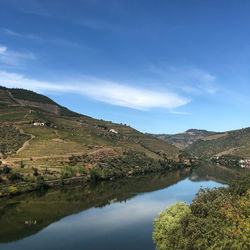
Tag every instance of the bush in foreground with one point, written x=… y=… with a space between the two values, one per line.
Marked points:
x=216 y=219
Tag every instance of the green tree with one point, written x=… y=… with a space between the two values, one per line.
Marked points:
x=6 y=169
x=95 y=175
x=21 y=164
x=216 y=219
x=167 y=225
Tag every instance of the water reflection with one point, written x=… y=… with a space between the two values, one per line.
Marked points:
x=112 y=215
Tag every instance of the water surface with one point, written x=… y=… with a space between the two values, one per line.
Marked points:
x=111 y=215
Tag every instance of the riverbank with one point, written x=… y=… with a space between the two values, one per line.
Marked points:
x=104 y=215
x=130 y=165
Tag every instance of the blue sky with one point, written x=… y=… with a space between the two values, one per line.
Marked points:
x=159 y=66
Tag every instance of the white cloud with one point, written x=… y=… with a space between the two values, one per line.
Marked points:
x=101 y=90
x=14 y=58
x=2 y=49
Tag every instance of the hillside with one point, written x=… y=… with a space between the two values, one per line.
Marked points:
x=236 y=142
x=21 y=108
x=185 y=139
x=41 y=138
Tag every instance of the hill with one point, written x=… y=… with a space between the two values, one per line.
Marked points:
x=40 y=138
x=185 y=139
x=236 y=142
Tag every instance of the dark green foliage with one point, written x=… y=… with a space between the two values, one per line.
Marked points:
x=240 y=185
x=35 y=171
x=41 y=184
x=102 y=126
x=6 y=169
x=3 y=104
x=15 y=177
x=66 y=112
x=95 y=175
x=21 y=164
x=29 y=95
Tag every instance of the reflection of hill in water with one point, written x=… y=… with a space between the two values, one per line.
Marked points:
x=27 y=214
x=208 y=171
x=40 y=210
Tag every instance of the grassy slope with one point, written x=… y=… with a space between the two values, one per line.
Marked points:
x=70 y=133
x=235 y=142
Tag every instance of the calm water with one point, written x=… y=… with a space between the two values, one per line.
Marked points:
x=115 y=215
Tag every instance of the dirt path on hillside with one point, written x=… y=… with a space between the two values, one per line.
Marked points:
x=25 y=144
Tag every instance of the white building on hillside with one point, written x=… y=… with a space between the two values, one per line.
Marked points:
x=113 y=131
x=38 y=123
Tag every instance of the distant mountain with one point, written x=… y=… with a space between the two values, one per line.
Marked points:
x=236 y=142
x=185 y=139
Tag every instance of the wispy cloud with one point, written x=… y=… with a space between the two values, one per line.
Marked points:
x=57 y=41
x=14 y=58
x=102 y=90
x=189 y=79
x=16 y=34
x=96 y=24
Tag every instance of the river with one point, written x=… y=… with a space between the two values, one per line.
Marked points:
x=109 y=215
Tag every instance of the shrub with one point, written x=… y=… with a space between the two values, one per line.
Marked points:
x=12 y=189
x=21 y=164
x=68 y=171
x=216 y=219
x=167 y=225
x=6 y=169
x=41 y=184
x=82 y=170
x=35 y=171
x=14 y=177
x=95 y=175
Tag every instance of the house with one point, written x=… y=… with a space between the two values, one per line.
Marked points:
x=244 y=163
x=113 y=131
x=38 y=123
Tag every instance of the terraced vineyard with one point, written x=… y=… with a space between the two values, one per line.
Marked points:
x=40 y=138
